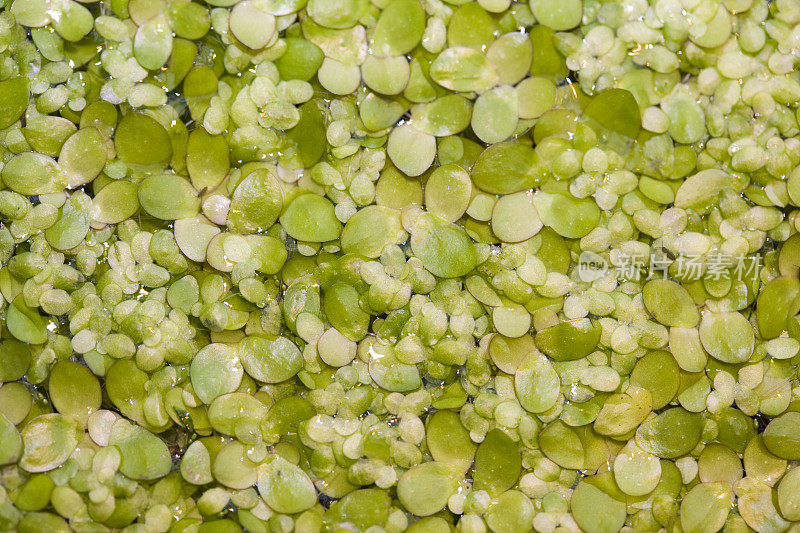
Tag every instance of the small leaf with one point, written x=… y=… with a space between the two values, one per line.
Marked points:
x=616 y=110
x=13 y=100
x=25 y=323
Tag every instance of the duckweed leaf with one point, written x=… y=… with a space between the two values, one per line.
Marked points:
x=497 y=463
x=506 y=168
x=670 y=303
x=448 y=440
x=463 y=69
x=443 y=248
x=670 y=434
x=168 y=197
x=270 y=360
x=727 y=337
x=615 y=110
x=425 y=488
x=706 y=507
x=13 y=97
x=144 y=455
x=285 y=487
x=569 y=341
x=31 y=173
x=115 y=202
x=72 y=224
x=780 y=436
x=371 y=229
x=256 y=203
x=595 y=511
x=399 y=27
x=140 y=140
x=215 y=370
x=537 y=384
x=24 y=323
x=12 y=442
x=74 y=390
x=568 y=216
x=311 y=218
x=207 y=159
x=49 y=440
x=779 y=300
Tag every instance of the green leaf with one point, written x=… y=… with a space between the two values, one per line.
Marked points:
x=615 y=110
x=13 y=100
x=25 y=323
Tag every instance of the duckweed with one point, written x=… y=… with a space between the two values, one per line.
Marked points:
x=399 y=265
